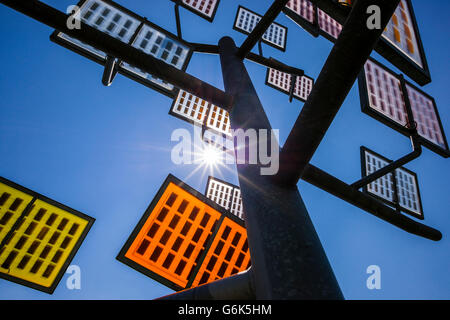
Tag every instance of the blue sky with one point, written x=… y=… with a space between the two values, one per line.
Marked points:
x=106 y=151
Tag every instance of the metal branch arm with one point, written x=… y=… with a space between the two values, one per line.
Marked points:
x=347 y=58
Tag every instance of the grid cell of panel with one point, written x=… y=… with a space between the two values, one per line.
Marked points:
x=247 y=21
x=304 y=8
x=385 y=94
x=206 y=7
x=328 y=24
x=282 y=81
x=172 y=240
x=424 y=112
x=42 y=243
x=220 y=193
x=229 y=254
x=381 y=187
x=105 y=18
x=12 y=204
x=161 y=46
x=408 y=194
x=400 y=32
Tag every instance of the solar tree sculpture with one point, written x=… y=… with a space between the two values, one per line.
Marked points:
x=288 y=260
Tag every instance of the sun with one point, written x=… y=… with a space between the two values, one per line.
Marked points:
x=210 y=156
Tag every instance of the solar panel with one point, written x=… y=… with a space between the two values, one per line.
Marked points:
x=179 y=240
x=382 y=97
x=282 y=81
x=406 y=191
x=204 y=8
x=246 y=20
x=134 y=30
x=400 y=42
x=41 y=237
x=195 y=110
x=225 y=195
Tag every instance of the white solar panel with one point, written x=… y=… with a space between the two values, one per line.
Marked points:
x=161 y=46
x=408 y=195
x=226 y=195
x=194 y=109
x=282 y=81
x=205 y=8
x=122 y=24
x=105 y=18
x=247 y=20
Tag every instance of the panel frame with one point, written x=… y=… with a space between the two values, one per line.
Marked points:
x=365 y=108
x=282 y=91
x=198 y=13
x=262 y=40
x=364 y=174
x=188 y=120
x=54 y=37
x=166 y=282
x=234 y=187
x=37 y=196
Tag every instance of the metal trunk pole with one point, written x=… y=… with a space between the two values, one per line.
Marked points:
x=288 y=260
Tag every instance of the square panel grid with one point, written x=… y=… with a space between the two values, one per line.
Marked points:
x=12 y=204
x=205 y=8
x=385 y=93
x=282 y=81
x=303 y=8
x=400 y=32
x=228 y=255
x=425 y=115
x=105 y=18
x=220 y=193
x=225 y=195
x=161 y=46
x=42 y=244
x=408 y=195
x=328 y=24
x=247 y=20
x=195 y=110
x=174 y=237
x=124 y=25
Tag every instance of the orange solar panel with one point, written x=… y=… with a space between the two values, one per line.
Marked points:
x=177 y=239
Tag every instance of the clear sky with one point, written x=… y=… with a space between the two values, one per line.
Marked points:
x=106 y=151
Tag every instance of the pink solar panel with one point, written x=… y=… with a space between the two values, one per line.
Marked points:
x=303 y=8
x=205 y=8
x=383 y=97
x=328 y=24
x=385 y=93
x=425 y=115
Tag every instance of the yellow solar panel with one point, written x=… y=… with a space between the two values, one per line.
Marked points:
x=40 y=246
